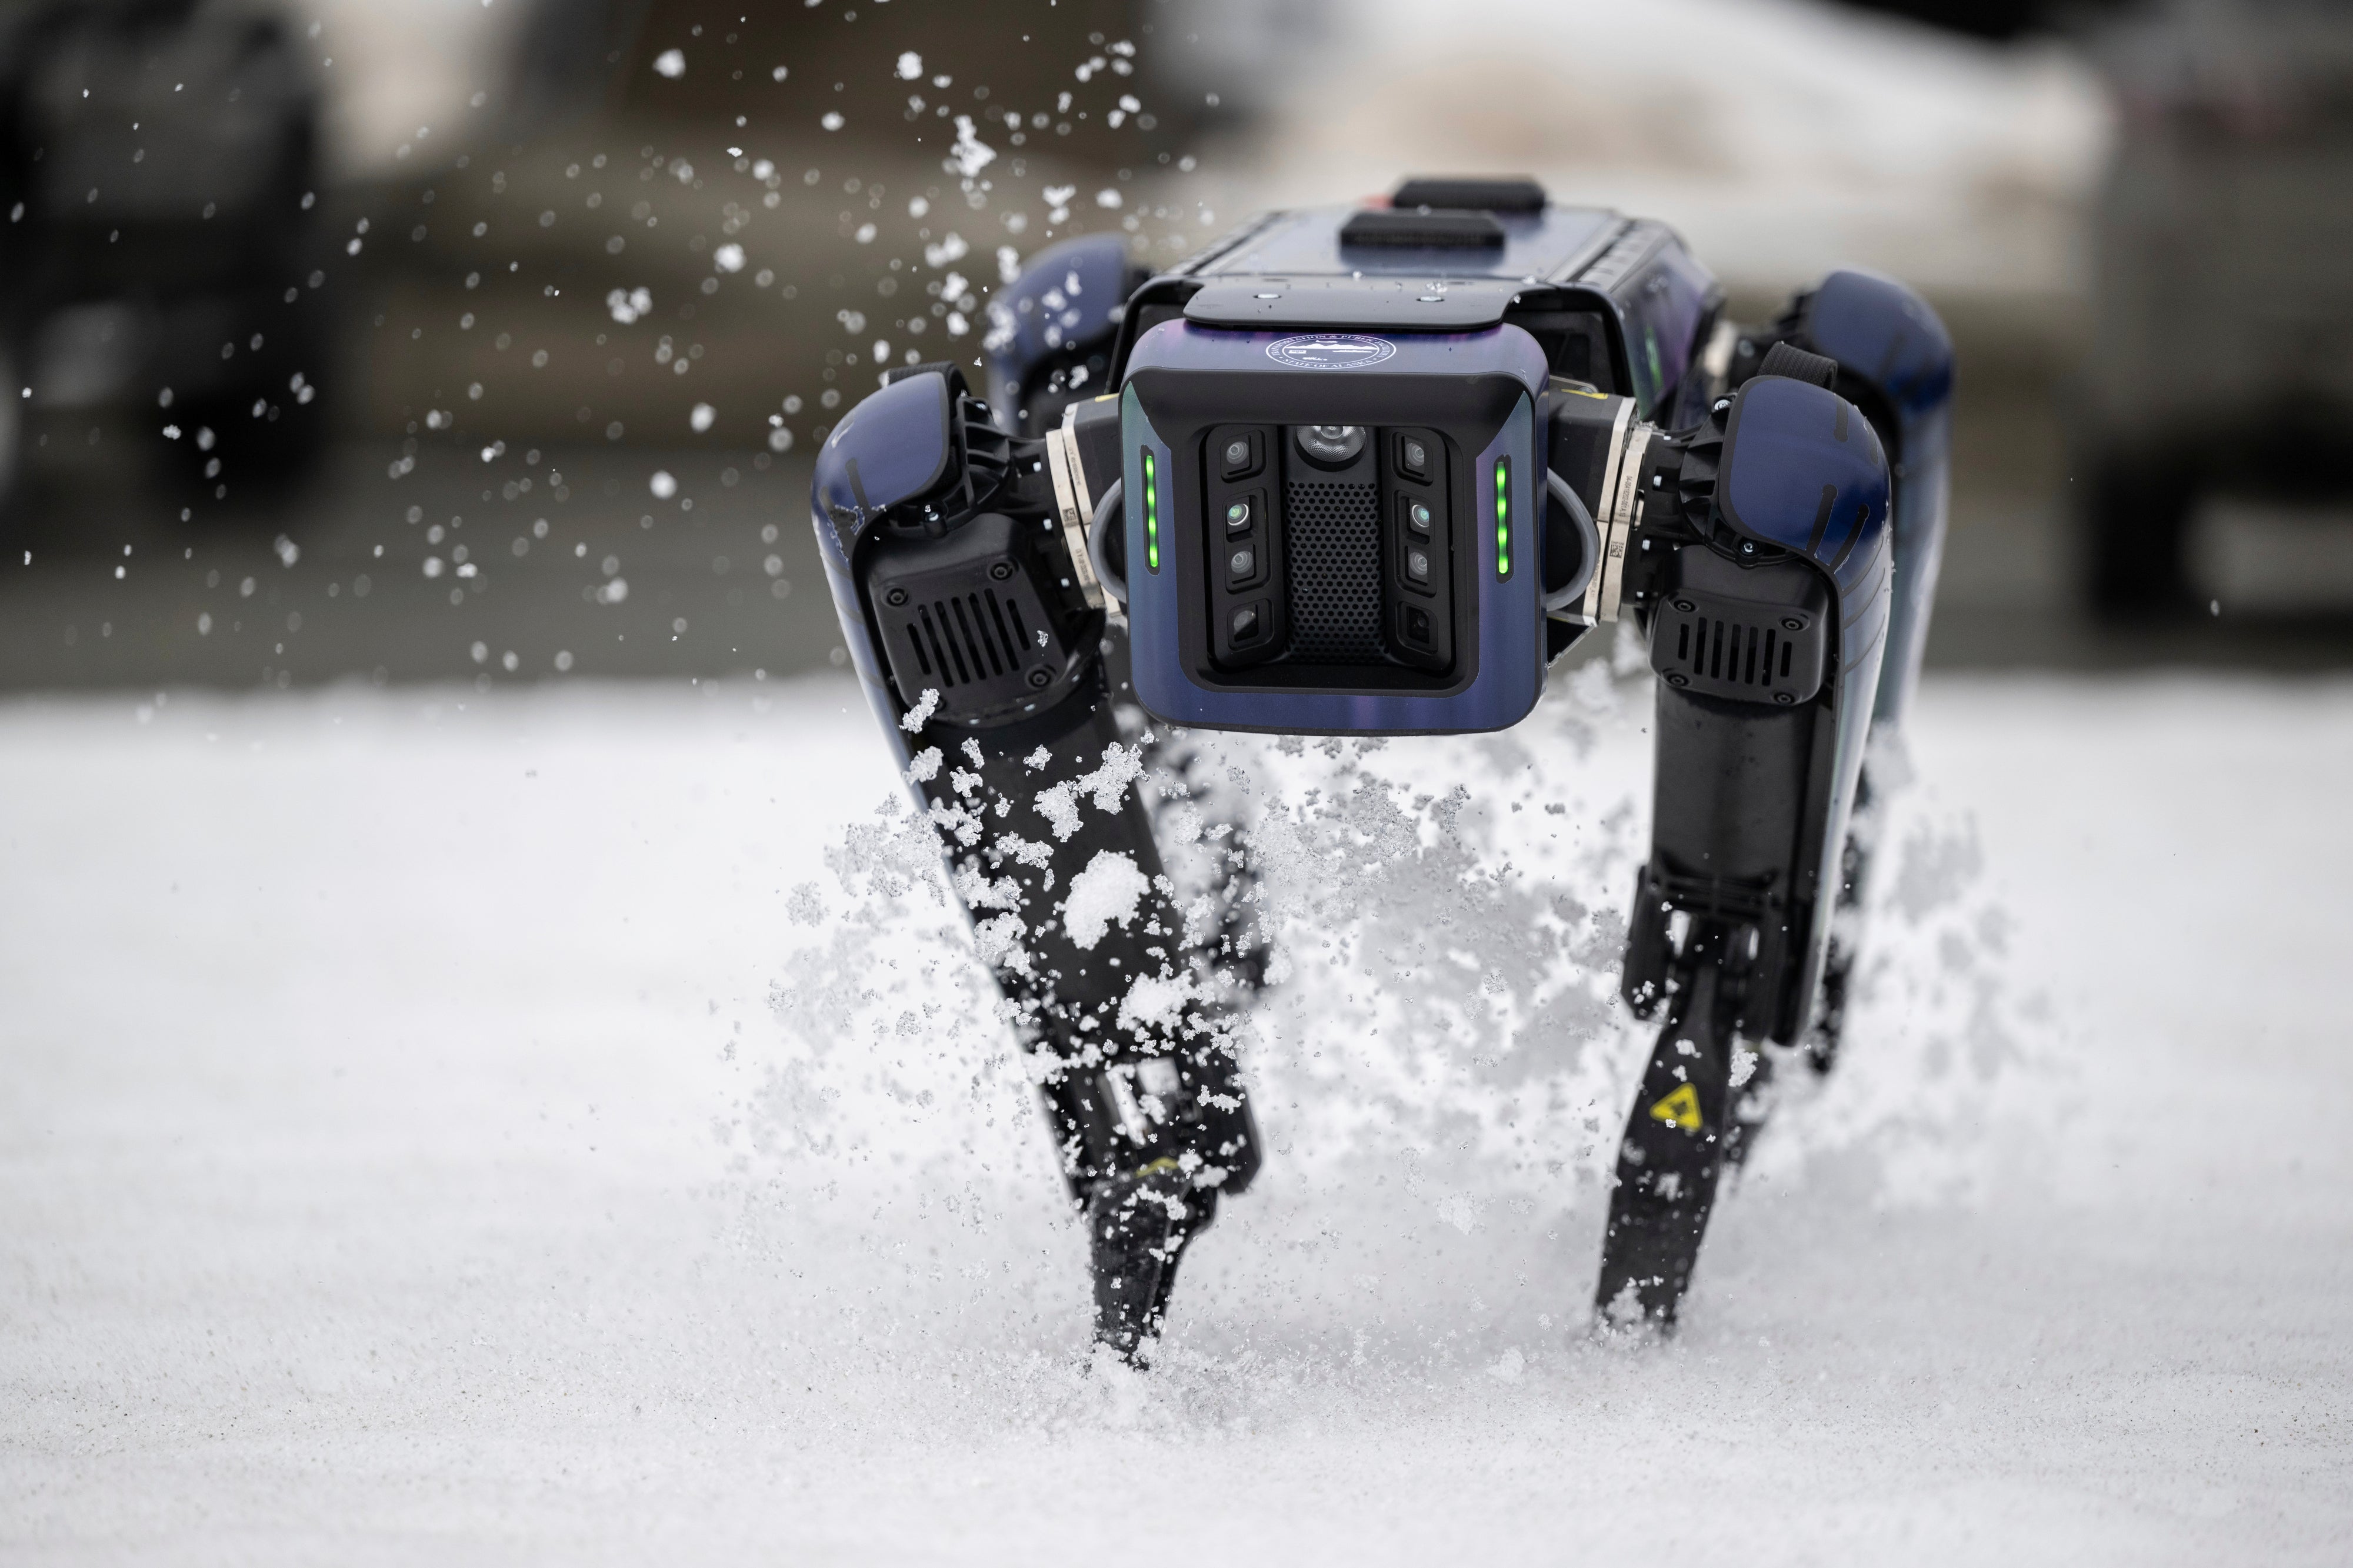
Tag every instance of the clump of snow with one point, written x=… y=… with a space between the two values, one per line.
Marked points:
x=1108 y=890
x=998 y=942
x=1060 y=806
x=915 y=717
x=1155 y=1003
x=980 y=891
x=1107 y=785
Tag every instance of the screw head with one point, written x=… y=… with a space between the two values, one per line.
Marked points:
x=1679 y=680
x=1793 y=624
x=1685 y=605
x=1039 y=677
x=1002 y=571
x=895 y=597
x=1783 y=697
x=1748 y=547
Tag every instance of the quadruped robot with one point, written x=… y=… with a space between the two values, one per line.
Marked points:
x=1369 y=471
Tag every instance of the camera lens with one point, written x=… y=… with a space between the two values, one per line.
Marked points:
x=1332 y=443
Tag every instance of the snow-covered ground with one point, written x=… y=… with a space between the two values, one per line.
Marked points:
x=448 y=1128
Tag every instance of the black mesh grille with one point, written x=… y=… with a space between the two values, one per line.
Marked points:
x=1730 y=647
x=1333 y=557
x=965 y=640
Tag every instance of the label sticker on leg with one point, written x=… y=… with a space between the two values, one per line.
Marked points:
x=1680 y=1109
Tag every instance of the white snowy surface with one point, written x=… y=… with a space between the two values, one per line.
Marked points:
x=419 y=1141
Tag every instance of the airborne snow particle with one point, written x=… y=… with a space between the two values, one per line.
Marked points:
x=663 y=485
x=921 y=713
x=998 y=939
x=670 y=63
x=1154 y=1002
x=701 y=417
x=1107 y=891
x=1122 y=766
x=728 y=258
x=911 y=66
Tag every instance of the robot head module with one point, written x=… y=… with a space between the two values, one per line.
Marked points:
x=1335 y=429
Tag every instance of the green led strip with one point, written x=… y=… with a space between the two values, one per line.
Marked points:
x=1503 y=517
x=1151 y=511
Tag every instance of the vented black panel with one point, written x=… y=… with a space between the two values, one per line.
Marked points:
x=1739 y=648
x=1333 y=555
x=966 y=616
x=965 y=640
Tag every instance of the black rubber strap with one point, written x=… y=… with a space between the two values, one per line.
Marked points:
x=1789 y=360
x=949 y=368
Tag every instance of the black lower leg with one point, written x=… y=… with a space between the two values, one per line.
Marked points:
x=1677 y=1136
x=1822 y=1041
x=1052 y=850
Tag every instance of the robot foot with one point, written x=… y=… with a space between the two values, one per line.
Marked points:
x=1137 y=1228
x=1668 y=1163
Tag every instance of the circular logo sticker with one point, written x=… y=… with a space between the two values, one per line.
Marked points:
x=1330 y=351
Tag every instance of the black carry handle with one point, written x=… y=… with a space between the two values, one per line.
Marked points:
x=1509 y=195
x=1423 y=230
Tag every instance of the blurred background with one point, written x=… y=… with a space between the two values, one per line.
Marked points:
x=486 y=339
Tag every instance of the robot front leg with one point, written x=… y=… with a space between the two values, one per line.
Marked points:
x=1764 y=591
x=986 y=661
x=1051 y=849
x=1720 y=944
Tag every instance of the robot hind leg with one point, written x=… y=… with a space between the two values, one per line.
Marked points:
x=1895 y=361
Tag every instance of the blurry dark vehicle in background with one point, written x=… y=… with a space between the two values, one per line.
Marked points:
x=2222 y=354
x=158 y=172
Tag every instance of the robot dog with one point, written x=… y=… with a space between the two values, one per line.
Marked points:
x=1369 y=472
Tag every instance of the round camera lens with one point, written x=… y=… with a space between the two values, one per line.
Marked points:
x=1332 y=443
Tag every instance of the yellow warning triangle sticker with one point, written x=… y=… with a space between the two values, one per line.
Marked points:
x=1680 y=1109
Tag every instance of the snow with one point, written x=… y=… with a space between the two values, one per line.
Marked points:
x=431 y=1126
x=1106 y=891
x=1106 y=785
